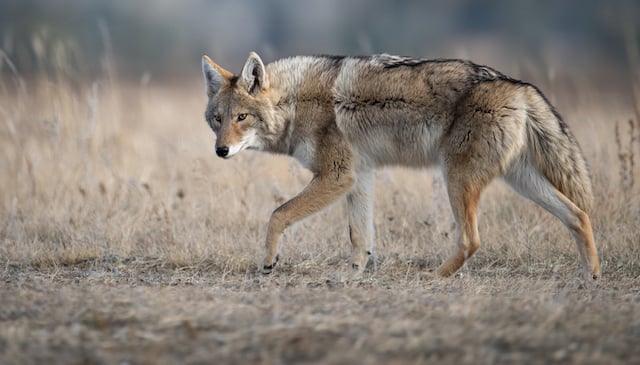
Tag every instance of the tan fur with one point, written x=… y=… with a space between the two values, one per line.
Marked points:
x=343 y=117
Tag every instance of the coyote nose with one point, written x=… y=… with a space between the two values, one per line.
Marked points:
x=222 y=151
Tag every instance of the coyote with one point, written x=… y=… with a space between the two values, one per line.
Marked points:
x=341 y=117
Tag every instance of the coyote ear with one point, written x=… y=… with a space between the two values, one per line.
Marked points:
x=253 y=76
x=214 y=76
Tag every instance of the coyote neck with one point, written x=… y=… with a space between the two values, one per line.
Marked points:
x=302 y=95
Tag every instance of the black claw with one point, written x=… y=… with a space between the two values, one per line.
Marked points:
x=355 y=266
x=369 y=253
x=267 y=269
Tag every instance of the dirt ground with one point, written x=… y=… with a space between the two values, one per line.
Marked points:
x=137 y=311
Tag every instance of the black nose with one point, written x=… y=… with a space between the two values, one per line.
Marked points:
x=222 y=151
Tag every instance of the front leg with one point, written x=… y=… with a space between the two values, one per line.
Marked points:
x=361 y=231
x=325 y=187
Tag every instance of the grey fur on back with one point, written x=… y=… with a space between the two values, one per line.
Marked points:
x=381 y=99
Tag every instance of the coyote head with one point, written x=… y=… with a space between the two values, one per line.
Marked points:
x=239 y=110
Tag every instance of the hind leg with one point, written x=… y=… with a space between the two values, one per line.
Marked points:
x=464 y=194
x=530 y=183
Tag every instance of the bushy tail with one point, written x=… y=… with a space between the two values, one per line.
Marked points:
x=556 y=153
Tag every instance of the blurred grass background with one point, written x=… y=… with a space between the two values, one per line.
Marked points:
x=166 y=38
x=105 y=149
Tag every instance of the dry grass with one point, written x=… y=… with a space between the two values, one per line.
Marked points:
x=124 y=240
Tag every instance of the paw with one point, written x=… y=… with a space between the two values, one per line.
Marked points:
x=589 y=275
x=590 y=272
x=357 y=269
x=267 y=269
x=359 y=261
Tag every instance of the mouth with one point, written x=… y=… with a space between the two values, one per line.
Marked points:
x=233 y=150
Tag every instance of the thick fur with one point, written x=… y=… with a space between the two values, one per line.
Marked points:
x=342 y=117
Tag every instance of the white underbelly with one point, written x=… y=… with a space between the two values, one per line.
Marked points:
x=413 y=147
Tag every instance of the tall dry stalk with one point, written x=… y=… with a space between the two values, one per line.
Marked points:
x=626 y=156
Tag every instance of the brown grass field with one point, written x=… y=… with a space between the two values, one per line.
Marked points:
x=124 y=240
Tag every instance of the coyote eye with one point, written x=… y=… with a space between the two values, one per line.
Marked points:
x=218 y=118
x=242 y=117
